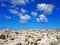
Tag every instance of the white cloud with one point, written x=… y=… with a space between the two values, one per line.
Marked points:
x=13 y=11
x=34 y=13
x=24 y=18
x=7 y=17
x=42 y=18
x=23 y=10
x=13 y=6
x=38 y=19
x=19 y=2
x=47 y=8
x=20 y=14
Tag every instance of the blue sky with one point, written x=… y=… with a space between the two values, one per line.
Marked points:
x=29 y=14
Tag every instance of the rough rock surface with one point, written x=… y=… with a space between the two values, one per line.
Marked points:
x=30 y=37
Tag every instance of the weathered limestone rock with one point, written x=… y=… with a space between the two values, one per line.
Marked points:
x=30 y=37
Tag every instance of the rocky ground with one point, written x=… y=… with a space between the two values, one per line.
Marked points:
x=30 y=37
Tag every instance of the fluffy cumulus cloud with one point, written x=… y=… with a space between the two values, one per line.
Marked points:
x=13 y=11
x=47 y=8
x=20 y=14
x=23 y=10
x=18 y=2
x=42 y=18
x=24 y=18
x=34 y=13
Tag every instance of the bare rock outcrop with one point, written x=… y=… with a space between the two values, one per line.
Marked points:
x=30 y=37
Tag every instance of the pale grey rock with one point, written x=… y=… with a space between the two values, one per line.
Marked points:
x=30 y=37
